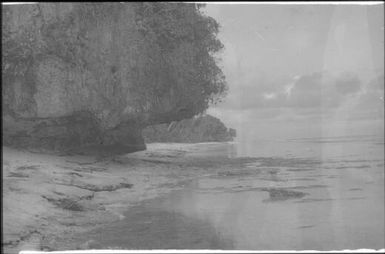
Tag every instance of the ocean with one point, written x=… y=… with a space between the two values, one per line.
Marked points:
x=320 y=193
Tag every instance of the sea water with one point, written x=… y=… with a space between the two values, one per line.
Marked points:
x=340 y=180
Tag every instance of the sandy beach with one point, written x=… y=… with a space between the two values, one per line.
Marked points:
x=50 y=197
x=190 y=196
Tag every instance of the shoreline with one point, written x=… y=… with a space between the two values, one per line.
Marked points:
x=47 y=196
x=55 y=202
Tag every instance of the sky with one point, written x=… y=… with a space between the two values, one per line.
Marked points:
x=301 y=70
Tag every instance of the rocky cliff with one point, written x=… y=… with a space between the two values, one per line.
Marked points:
x=203 y=128
x=78 y=75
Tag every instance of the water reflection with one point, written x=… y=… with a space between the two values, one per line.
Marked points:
x=150 y=226
x=342 y=220
x=275 y=203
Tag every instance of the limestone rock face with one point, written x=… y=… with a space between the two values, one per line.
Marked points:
x=71 y=73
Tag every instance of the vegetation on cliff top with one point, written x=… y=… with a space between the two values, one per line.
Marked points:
x=203 y=128
x=184 y=42
x=174 y=75
x=114 y=68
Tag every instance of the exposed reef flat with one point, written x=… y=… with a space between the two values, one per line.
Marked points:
x=51 y=198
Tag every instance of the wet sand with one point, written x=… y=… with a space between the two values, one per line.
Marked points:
x=48 y=198
x=191 y=196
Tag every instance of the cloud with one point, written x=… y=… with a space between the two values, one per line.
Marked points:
x=289 y=87
x=319 y=93
x=377 y=84
x=269 y=96
x=371 y=101
x=348 y=83
x=306 y=92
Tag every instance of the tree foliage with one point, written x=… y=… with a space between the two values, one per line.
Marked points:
x=184 y=42
x=204 y=128
x=173 y=68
